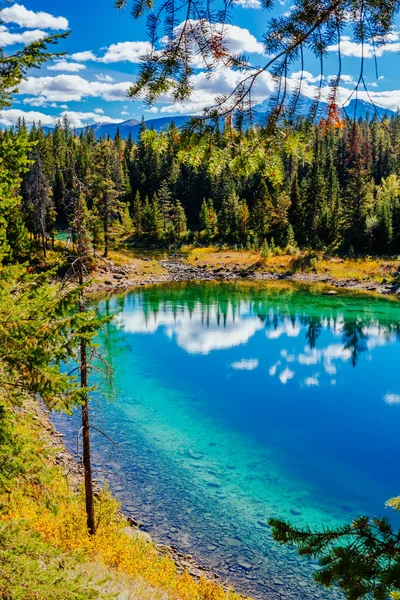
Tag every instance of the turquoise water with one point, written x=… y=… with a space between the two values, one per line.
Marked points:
x=233 y=403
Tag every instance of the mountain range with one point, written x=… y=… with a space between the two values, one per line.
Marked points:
x=355 y=108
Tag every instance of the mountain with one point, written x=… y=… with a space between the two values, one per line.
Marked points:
x=363 y=109
x=357 y=108
x=133 y=126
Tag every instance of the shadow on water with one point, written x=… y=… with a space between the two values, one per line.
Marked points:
x=236 y=402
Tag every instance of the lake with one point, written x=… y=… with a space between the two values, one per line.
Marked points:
x=236 y=402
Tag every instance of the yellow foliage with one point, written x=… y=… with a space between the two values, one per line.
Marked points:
x=47 y=506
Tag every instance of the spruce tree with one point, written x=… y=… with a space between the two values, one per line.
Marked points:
x=137 y=214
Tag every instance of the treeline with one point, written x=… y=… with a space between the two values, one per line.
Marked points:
x=332 y=186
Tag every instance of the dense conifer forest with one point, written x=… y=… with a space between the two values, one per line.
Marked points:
x=333 y=185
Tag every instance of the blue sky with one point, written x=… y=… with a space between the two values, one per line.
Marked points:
x=103 y=51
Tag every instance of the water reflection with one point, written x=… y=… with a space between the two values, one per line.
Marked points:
x=216 y=317
x=234 y=403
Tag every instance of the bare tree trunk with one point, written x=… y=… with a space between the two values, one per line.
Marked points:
x=44 y=244
x=105 y=229
x=86 y=447
x=106 y=240
x=87 y=466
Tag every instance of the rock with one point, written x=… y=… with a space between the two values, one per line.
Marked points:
x=244 y=565
x=262 y=523
x=108 y=282
x=194 y=454
x=118 y=276
x=232 y=541
x=295 y=512
x=331 y=293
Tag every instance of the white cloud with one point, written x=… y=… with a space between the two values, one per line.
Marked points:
x=80 y=119
x=99 y=111
x=287 y=13
x=286 y=375
x=311 y=381
x=286 y=328
x=206 y=88
x=306 y=76
x=120 y=52
x=105 y=78
x=346 y=79
x=66 y=88
x=188 y=328
x=27 y=18
x=68 y=67
x=36 y=101
x=238 y=40
x=273 y=369
x=26 y=37
x=245 y=364
x=366 y=50
x=10 y=117
x=77 y=119
x=392 y=398
x=83 y=56
x=125 y=52
x=326 y=356
x=288 y=357
x=248 y=3
x=124 y=113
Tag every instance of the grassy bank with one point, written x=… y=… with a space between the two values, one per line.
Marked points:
x=365 y=268
x=45 y=550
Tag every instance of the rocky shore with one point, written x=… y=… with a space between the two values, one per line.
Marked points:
x=113 y=279
x=73 y=472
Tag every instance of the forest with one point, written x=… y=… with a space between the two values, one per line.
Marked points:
x=333 y=185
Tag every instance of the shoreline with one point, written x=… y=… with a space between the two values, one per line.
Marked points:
x=73 y=472
x=115 y=279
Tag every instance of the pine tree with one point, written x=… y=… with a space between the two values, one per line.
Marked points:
x=146 y=218
x=137 y=214
x=126 y=221
x=295 y=212
x=165 y=204
x=290 y=237
x=357 y=205
x=155 y=219
x=179 y=221
x=104 y=190
x=37 y=201
x=208 y=219
x=262 y=211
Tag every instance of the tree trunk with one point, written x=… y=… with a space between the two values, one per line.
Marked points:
x=44 y=244
x=105 y=229
x=87 y=466
x=86 y=446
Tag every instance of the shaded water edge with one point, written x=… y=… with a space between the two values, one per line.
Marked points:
x=255 y=570
x=206 y=523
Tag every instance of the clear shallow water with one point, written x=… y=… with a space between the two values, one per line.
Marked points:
x=237 y=402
